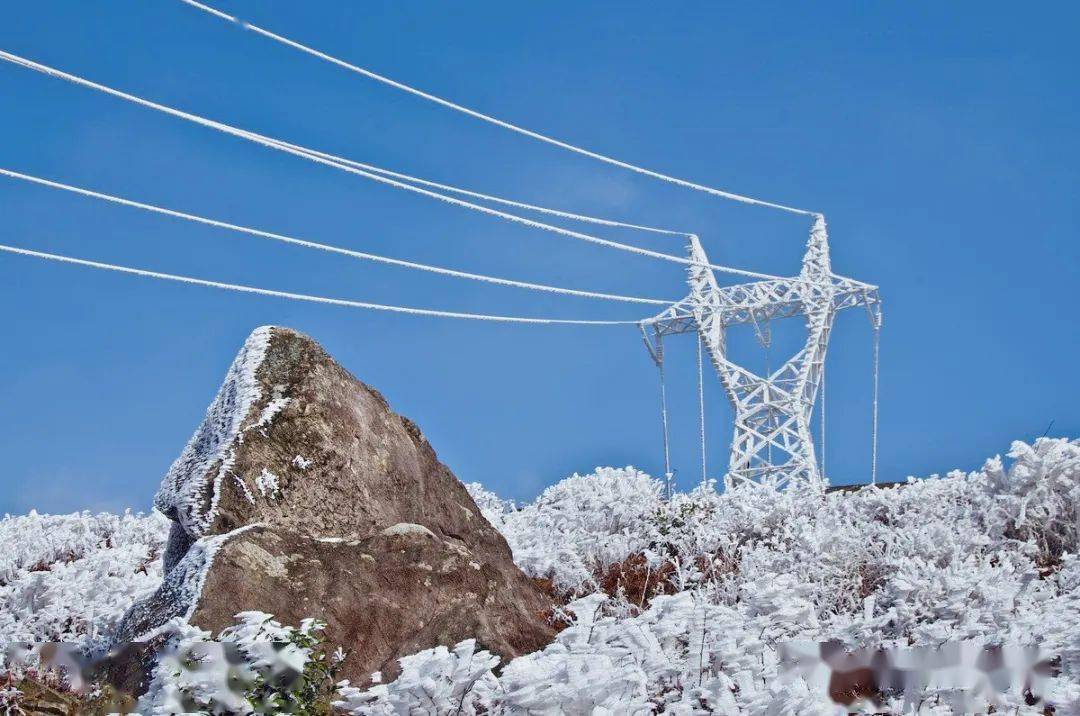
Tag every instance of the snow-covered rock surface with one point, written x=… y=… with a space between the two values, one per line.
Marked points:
x=183 y=490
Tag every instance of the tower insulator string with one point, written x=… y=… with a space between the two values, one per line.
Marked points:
x=701 y=410
x=663 y=412
x=822 y=426
x=874 y=428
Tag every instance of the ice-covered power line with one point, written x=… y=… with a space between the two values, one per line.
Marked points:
x=305 y=297
x=495 y=199
x=326 y=247
x=488 y=118
x=320 y=158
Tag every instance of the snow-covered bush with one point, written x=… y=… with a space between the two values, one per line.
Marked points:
x=71 y=577
x=255 y=666
x=438 y=680
x=578 y=526
x=1038 y=499
x=986 y=558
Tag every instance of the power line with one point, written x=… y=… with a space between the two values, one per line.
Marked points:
x=488 y=197
x=326 y=247
x=488 y=118
x=319 y=158
x=305 y=297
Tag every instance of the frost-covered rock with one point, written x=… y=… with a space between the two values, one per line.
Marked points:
x=302 y=494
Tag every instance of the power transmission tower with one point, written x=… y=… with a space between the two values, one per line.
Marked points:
x=772 y=443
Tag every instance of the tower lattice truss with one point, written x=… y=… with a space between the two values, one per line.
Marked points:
x=772 y=443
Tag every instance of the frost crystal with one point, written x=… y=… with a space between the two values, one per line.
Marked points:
x=267 y=483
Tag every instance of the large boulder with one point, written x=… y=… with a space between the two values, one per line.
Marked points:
x=303 y=495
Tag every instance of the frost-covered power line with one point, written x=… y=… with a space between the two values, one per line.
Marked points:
x=771 y=412
x=320 y=158
x=488 y=118
x=305 y=297
x=326 y=247
x=494 y=199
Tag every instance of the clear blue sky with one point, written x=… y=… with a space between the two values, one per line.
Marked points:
x=939 y=138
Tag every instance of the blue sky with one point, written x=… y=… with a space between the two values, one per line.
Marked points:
x=939 y=139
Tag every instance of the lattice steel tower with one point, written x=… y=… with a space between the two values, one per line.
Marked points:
x=772 y=444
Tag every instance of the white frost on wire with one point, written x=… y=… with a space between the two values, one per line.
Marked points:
x=343 y=165
x=500 y=200
x=326 y=247
x=487 y=118
x=305 y=297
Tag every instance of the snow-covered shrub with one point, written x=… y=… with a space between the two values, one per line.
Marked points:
x=71 y=577
x=987 y=557
x=255 y=666
x=582 y=524
x=437 y=681
x=1038 y=498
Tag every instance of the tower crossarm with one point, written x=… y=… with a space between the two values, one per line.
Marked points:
x=763 y=301
x=759 y=302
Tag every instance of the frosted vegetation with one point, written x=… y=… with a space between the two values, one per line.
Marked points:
x=256 y=666
x=680 y=607
x=70 y=578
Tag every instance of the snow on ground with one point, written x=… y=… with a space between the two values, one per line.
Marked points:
x=691 y=606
